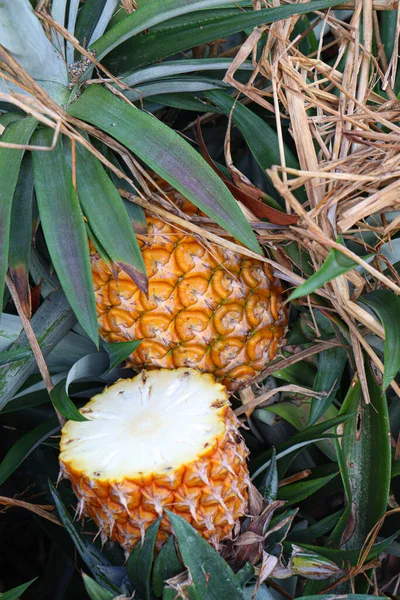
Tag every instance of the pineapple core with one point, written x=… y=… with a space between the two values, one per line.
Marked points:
x=166 y=438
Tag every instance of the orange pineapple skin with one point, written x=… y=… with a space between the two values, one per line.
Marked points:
x=214 y=310
x=211 y=493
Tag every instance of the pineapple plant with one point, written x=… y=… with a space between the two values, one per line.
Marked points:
x=119 y=219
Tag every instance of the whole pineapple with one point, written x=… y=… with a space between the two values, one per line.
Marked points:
x=212 y=309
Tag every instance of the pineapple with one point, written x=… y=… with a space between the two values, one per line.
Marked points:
x=166 y=438
x=212 y=309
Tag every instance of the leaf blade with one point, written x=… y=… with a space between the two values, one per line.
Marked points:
x=166 y=565
x=168 y=155
x=212 y=576
x=156 y=11
x=370 y=486
x=96 y=591
x=64 y=230
x=108 y=217
x=16 y=592
x=260 y=137
x=25 y=445
x=64 y=404
x=88 y=552
x=120 y=351
x=296 y=492
x=331 y=364
x=140 y=562
x=21 y=234
x=17 y=132
x=387 y=306
x=334 y=265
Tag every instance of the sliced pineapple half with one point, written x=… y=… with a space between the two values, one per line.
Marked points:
x=166 y=438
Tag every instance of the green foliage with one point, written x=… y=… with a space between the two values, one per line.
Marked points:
x=17 y=132
x=64 y=229
x=25 y=445
x=211 y=575
x=166 y=566
x=140 y=563
x=335 y=264
x=387 y=306
x=167 y=154
x=16 y=592
x=325 y=462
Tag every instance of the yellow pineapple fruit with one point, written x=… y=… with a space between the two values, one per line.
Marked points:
x=166 y=438
x=218 y=311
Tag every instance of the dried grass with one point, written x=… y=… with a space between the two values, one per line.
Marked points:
x=348 y=145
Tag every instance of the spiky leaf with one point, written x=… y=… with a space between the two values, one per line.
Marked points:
x=64 y=229
x=167 y=154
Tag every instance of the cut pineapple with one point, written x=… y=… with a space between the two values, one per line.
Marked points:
x=166 y=438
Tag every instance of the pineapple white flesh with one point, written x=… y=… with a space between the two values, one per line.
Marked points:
x=154 y=422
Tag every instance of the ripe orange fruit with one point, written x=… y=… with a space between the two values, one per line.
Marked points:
x=208 y=308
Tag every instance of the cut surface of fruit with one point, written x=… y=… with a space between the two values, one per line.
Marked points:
x=166 y=438
x=207 y=308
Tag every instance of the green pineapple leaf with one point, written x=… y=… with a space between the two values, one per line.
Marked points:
x=96 y=591
x=166 y=565
x=16 y=592
x=21 y=233
x=167 y=154
x=25 y=445
x=16 y=132
x=153 y=12
x=211 y=575
x=387 y=306
x=107 y=215
x=64 y=229
x=140 y=562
